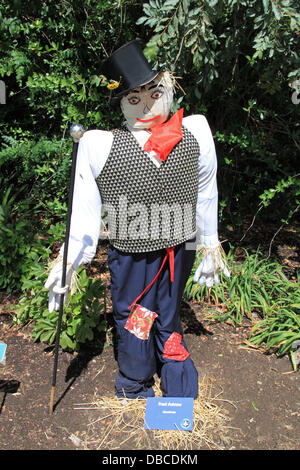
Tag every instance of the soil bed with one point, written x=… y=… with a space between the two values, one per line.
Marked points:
x=258 y=393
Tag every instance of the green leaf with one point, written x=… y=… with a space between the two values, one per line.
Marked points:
x=266 y=5
x=142 y=20
x=170 y=3
x=253 y=405
x=276 y=11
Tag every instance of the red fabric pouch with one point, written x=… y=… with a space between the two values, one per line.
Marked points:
x=140 y=321
x=173 y=349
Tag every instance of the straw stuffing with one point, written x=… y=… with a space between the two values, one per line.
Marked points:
x=121 y=424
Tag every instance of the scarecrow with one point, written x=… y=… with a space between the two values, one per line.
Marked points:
x=155 y=180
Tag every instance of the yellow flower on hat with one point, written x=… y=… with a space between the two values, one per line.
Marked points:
x=113 y=85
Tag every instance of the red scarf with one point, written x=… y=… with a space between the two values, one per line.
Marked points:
x=165 y=136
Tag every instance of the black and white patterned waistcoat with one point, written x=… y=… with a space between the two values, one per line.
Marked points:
x=149 y=208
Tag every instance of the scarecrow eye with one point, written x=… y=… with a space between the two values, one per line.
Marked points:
x=157 y=94
x=134 y=100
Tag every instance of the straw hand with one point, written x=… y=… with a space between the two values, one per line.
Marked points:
x=211 y=266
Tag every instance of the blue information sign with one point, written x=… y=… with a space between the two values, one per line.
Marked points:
x=173 y=413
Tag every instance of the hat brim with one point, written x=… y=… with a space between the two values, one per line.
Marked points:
x=146 y=80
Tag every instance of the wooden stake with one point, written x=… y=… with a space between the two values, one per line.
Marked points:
x=51 y=400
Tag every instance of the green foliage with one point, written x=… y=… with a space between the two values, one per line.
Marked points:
x=50 y=57
x=33 y=187
x=40 y=166
x=239 y=64
x=15 y=238
x=224 y=40
x=20 y=244
x=257 y=287
x=82 y=316
x=259 y=177
x=281 y=329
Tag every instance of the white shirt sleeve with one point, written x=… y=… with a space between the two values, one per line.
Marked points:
x=93 y=150
x=207 y=203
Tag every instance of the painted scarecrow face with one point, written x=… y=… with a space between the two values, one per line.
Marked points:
x=150 y=104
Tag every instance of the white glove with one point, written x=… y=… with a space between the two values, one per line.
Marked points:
x=53 y=283
x=210 y=266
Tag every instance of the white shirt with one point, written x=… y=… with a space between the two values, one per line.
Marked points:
x=93 y=151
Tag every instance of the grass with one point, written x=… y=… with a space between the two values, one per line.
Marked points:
x=257 y=288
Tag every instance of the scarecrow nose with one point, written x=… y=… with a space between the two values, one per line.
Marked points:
x=146 y=108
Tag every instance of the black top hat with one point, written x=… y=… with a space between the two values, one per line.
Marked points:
x=128 y=67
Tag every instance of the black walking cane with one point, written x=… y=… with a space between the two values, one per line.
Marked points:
x=76 y=132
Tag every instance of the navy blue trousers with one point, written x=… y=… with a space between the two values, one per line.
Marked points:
x=140 y=359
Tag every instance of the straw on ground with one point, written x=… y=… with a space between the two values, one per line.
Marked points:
x=124 y=424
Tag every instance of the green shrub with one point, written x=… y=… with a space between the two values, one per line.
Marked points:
x=16 y=238
x=50 y=59
x=33 y=184
x=82 y=315
x=38 y=169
